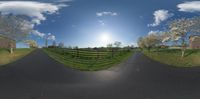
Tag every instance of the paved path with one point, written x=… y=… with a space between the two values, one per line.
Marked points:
x=37 y=76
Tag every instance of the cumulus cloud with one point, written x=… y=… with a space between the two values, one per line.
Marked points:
x=48 y=36
x=36 y=11
x=37 y=33
x=160 y=16
x=154 y=32
x=100 y=14
x=51 y=37
x=192 y=6
x=61 y=1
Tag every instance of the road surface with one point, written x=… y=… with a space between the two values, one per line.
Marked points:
x=37 y=76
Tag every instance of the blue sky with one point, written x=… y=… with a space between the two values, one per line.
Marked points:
x=89 y=23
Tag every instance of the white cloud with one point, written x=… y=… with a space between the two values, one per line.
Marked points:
x=51 y=37
x=61 y=1
x=167 y=38
x=101 y=22
x=100 y=14
x=37 y=33
x=193 y=6
x=154 y=32
x=34 y=10
x=159 y=16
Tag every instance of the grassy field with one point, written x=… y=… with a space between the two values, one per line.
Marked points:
x=88 y=60
x=6 y=57
x=173 y=57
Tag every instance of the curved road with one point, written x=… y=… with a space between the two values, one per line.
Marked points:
x=37 y=76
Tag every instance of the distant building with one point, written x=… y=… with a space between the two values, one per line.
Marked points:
x=7 y=43
x=194 y=42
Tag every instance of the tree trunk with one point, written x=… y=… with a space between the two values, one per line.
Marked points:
x=183 y=46
x=183 y=53
x=11 y=47
x=11 y=50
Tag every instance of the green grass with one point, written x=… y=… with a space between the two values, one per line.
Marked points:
x=6 y=57
x=87 y=60
x=173 y=57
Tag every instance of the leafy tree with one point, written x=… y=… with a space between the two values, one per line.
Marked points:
x=152 y=41
x=15 y=28
x=31 y=43
x=141 y=43
x=180 y=28
x=149 y=41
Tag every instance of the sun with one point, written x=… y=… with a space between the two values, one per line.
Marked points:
x=105 y=37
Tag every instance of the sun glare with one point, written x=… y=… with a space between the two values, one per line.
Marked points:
x=105 y=37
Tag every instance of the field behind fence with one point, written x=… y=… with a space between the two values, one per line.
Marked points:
x=90 y=57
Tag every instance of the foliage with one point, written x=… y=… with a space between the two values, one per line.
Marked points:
x=15 y=28
x=149 y=41
x=31 y=43
x=117 y=44
x=178 y=32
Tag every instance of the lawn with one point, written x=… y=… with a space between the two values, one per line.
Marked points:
x=173 y=57
x=6 y=57
x=88 y=60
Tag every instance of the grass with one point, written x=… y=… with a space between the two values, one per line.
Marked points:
x=87 y=60
x=173 y=57
x=6 y=57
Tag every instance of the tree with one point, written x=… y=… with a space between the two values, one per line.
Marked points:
x=14 y=28
x=180 y=28
x=117 y=44
x=54 y=44
x=31 y=43
x=109 y=45
x=152 y=41
x=61 y=45
x=149 y=41
x=141 y=43
x=165 y=37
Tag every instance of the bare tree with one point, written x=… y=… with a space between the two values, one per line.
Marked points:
x=54 y=44
x=14 y=28
x=117 y=44
x=61 y=45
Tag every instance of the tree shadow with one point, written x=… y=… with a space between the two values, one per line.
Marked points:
x=188 y=53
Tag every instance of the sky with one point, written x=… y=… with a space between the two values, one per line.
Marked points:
x=96 y=23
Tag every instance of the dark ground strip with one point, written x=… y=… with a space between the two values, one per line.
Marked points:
x=37 y=76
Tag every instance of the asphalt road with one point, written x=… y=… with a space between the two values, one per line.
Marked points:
x=37 y=76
